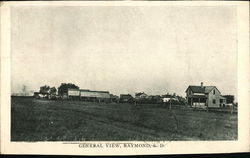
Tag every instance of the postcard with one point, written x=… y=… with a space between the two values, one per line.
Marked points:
x=124 y=77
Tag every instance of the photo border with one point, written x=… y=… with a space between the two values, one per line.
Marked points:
x=174 y=147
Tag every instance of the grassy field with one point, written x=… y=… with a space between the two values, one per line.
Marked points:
x=44 y=120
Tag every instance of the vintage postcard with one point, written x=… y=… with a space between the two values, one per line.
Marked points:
x=124 y=78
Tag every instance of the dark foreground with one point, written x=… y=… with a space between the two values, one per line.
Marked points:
x=44 y=120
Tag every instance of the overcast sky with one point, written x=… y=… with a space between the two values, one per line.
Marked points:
x=125 y=49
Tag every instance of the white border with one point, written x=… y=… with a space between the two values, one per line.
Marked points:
x=180 y=147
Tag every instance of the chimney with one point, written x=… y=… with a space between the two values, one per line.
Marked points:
x=201 y=84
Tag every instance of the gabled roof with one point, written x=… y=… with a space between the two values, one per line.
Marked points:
x=208 y=89
x=221 y=97
x=201 y=89
x=197 y=89
x=139 y=94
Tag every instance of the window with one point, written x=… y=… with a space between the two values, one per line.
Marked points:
x=214 y=91
x=214 y=101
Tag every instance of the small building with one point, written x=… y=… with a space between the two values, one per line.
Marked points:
x=155 y=99
x=126 y=98
x=114 y=98
x=36 y=95
x=167 y=98
x=204 y=96
x=140 y=95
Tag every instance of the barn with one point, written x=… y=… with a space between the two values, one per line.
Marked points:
x=90 y=95
x=73 y=94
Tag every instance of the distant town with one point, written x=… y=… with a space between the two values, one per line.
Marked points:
x=197 y=96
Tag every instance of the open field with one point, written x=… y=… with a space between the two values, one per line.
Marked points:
x=45 y=120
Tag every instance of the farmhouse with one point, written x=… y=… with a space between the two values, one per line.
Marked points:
x=204 y=96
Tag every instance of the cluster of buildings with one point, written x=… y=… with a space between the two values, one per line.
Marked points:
x=105 y=96
x=196 y=96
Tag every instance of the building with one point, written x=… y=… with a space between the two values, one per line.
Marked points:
x=73 y=93
x=36 y=95
x=204 y=96
x=154 y=99
x=167 y=98
x=140 y=95
x=89 y=95
x=126 y=98
x=114 y=98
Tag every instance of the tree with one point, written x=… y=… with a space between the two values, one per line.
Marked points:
x=53 y=91
x=44 y=90
x=64 y=88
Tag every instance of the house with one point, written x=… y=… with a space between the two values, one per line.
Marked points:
x=140 y=95
x=166 y=98
x=36 y=95
x=204 y=96
x=114 y=98
x=155 y=99
x=126 y=98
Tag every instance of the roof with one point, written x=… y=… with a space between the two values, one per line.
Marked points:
x=73 y=89
x=87 y=90
x=167 y=96
x=209 y=88
x=221 y=97
x=201 y=89
x=139 y=94
x=125 y=95
x=100 y=91
x=84 y=90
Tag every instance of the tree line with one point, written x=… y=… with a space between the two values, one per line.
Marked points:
x=63 y=88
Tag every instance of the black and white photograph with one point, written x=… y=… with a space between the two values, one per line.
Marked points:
x=124 y=73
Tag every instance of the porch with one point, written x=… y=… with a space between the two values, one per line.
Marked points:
x=198 y=101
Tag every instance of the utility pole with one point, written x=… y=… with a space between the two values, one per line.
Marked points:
x=24 y=90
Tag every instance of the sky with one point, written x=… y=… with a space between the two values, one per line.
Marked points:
x=124 y=49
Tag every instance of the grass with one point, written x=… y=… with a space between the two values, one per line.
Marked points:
x=44 y=120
